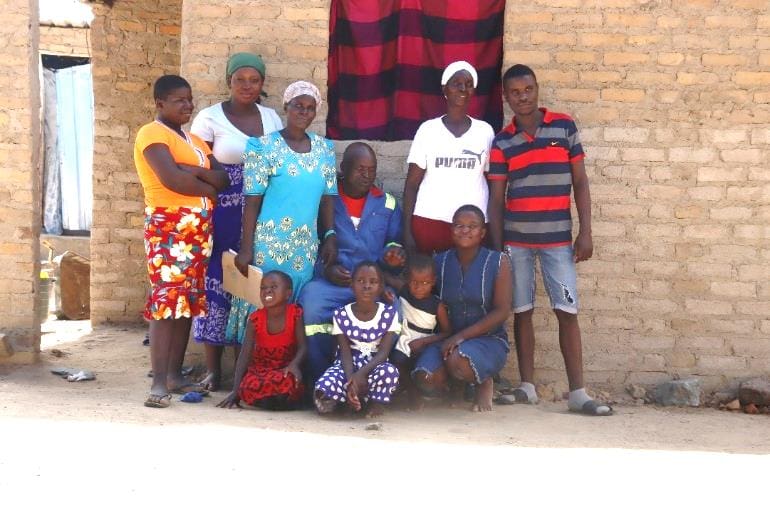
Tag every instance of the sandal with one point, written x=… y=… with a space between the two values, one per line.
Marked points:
x=158 y=401
x=189 y=387
x=517 y=396
x=592 y=408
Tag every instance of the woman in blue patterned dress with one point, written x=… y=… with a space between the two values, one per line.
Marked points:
x=226 y=127
x=289 y=180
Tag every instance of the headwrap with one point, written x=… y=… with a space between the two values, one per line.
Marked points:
x=245 y=60
x=459 y=66
x=299 y=88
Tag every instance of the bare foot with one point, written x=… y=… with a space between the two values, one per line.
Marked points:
x=416 y=401
x=212 y=382
x=456 y=393
x=375 y=410
x=483 y=400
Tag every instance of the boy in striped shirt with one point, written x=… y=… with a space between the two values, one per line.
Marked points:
x=535 y=162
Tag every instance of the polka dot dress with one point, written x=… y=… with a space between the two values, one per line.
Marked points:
x=364 y=337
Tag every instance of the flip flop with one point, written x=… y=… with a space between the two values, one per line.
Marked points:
x=158 y=401
x=189 y=387
x=517 y=396
x=592 y=408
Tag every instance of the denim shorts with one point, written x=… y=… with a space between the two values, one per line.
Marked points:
x=486 y=355
x=557 y=266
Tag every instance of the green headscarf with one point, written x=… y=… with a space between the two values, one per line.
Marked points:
x=245 y=60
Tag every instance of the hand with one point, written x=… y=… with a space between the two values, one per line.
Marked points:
x=356 y=385
x=450 y=345
x=394 y=256
x=231 y=400
x=416 y=346
x=242 y=261
x=584 y=247
x=293 y=369
x=388 y=296
x=328 y=252
x=338 y=275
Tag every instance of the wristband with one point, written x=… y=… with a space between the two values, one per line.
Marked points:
x=329 y=233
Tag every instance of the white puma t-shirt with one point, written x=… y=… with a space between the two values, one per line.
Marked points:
x=454 y=168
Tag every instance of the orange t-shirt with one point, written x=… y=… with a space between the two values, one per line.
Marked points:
x=191 y=151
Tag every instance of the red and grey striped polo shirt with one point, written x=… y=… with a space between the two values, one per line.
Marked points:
x=539 y=174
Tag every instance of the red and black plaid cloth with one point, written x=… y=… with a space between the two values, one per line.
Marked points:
x=386 y=58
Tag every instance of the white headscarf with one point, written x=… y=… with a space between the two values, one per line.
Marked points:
x=459 y=66
x=300 y=88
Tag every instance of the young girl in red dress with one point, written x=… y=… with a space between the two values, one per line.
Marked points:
x=268 y=374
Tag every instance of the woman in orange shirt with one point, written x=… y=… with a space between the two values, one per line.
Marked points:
x=180 y=179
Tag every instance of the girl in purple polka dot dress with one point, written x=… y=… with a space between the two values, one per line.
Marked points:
x=366 y=331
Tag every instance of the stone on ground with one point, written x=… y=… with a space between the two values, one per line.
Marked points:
x=755 y=391
x=679 y=392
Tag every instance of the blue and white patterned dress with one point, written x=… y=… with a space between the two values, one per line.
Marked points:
x=365 y=338
x=286 y=237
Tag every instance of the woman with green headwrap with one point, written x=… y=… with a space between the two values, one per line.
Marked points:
x=226 y=127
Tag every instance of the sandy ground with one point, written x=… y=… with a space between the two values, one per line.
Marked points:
x=92 y=443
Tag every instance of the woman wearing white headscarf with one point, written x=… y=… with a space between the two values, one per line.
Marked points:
x=289 y=178
x=447 y=162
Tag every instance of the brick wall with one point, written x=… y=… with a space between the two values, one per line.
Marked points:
x=69 y=41
x=20 y=186
x=133 y=43
x=673 y=98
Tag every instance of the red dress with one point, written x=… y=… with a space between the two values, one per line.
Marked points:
x=272 y=352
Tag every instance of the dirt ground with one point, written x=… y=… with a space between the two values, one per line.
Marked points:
x=64 y=435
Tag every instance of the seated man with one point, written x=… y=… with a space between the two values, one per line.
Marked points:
x=367 y=224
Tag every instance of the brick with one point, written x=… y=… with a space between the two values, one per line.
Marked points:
x=578 y=95
x=720 y=59
x=576 y=57
x=645 y=39
x=305 y=13
x=623 y=58
x=754 y=272
x=556 y=76
x=689 y=212
x=705 y=307
x=659 y=192
x=726 y=136
x=730 y=213
x=743 y=155
x=720 y=363
x=657 y=231
x=594 y=39
x=600 y=76
x=657 y=268
x=623 y=95
x=716 y=174
x=752 y=231
x=687 y=154
x=688 y=79
x=752 y=78
x=741 y=41
x=719 y=21
x=531 y=57
x=211 y=11
x=637 y=135
x=530 y=18
x=670 y=58
x=705 y=231
x=552 y=39
x=627 y=20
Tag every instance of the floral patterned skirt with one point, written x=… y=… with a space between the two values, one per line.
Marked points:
x=177 y=242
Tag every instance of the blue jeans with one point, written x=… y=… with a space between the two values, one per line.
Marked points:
x=557 y=265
